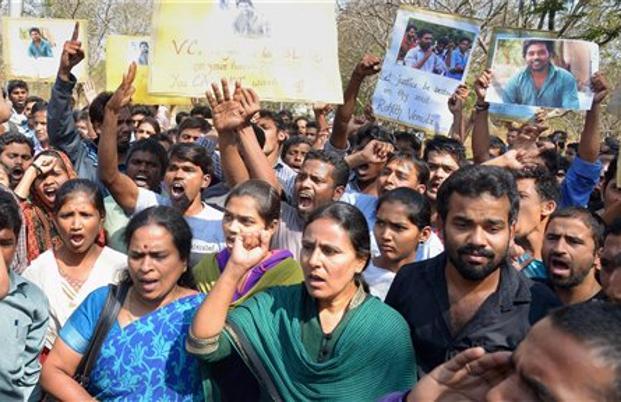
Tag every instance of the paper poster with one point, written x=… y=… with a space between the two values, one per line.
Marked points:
x=121 y=50
x=285 y=51
x=31 y=47
x=539 y=71
x=428 y=57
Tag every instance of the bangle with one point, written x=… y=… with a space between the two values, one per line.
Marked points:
x=38 y=169
x=481 y=107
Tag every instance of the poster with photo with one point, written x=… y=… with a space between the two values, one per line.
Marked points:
x=258 y=42
x=32 y=47
x=539 y=71
x=121 y=50
x=428 y=57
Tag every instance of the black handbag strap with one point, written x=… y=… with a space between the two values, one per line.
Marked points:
x=114 y=301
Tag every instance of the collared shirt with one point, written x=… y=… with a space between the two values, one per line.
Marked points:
x=434 y=64
x=24 y=318
x=458 y=60
x=43 y=50
x=419 y=292
x=579 y=182
x=558 y=90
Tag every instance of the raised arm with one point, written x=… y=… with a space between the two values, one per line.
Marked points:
x=480 y=131
x=369 y=65
x=41 y=166
x=122 y=188
x=61 y=126
x=248 y=251
x=588 y=149
x=456 y=106
x=5 y=111
x=227 y=116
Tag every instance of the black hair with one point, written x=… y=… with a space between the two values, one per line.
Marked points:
x=291 y=141
x=201 y=110
x=443 y=41
x=351 y=220
x=10 y=216
x=442 y=144
x=496 y=142
x=97 y=107
x=153 y=122
x=34 y=98
x=311 y=124
x=370 y=132
x=528 y=43
x=169 y=219
x=417 y=205
x=463 y=38
x=476 y=180
x=610 y=174
x=39 y=106
x=545 y=183
x=193 y=123
x=80 y=115
x=163 y=137
x=591 y=220
x=340 y=174
x=550 y=159
x=14 y=84
x=144 y=43
x=597 y=325
x=614 y=228
x=144 y=110
x=17 y=138
x=573 y=145
x=266 y=197
x=422 y=170
x=34 y=29
x=153 y=147
x=413 y=143
x=285 y=112
x=193 y=153
x=180 y=117
x=424 y=32
x=278 y=122
x=563 y=164
x=85 y=186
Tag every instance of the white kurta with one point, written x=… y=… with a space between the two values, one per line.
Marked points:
x=63 y=299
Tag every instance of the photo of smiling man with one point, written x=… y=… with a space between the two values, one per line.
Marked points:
x=541 y=83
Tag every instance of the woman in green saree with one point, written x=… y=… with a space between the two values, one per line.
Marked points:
x=251 y=208
x=325 y=339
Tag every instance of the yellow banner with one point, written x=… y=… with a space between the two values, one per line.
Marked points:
x=31 y=47
x=121 y=50
x=285 y=51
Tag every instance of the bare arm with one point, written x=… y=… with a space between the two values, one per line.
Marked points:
x=211 y=315
x=41 y=166
x=227 y=116
x=58 y=371
x=5 y=111
x=368 y=66
x=456 y=106
x=122 y=188
x=588 y=149
x=480 y=131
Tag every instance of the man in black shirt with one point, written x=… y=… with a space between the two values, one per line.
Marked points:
x=469 y=295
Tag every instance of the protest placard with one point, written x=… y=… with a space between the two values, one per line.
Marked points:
x=428 y=57
x=31 y=47
x=260 y=43
x=532 y=69
x=121 y=50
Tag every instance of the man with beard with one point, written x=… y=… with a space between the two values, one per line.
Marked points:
x=18 y=93
x=610 y=274
x=571 y=248
x=422 y=57
x=62 y=131
x=469 y=295
x=16 y=152
x=541 y=83
x=187 y=174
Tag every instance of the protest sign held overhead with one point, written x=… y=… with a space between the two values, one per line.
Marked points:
x=428 y=58
x=122 y=50
x=532 y=69
x=260 y=43
x=32 y=47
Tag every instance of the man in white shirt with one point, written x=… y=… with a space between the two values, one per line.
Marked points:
x=422 y=57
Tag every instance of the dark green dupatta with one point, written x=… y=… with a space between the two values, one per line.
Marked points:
x=372 y=357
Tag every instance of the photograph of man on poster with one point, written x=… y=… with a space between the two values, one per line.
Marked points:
x=39 y=47
x=540 y=82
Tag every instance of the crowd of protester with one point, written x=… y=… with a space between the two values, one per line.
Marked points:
x=236 y=253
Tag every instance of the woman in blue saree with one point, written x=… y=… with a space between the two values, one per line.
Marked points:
x=326 y=339
x=143 y=356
